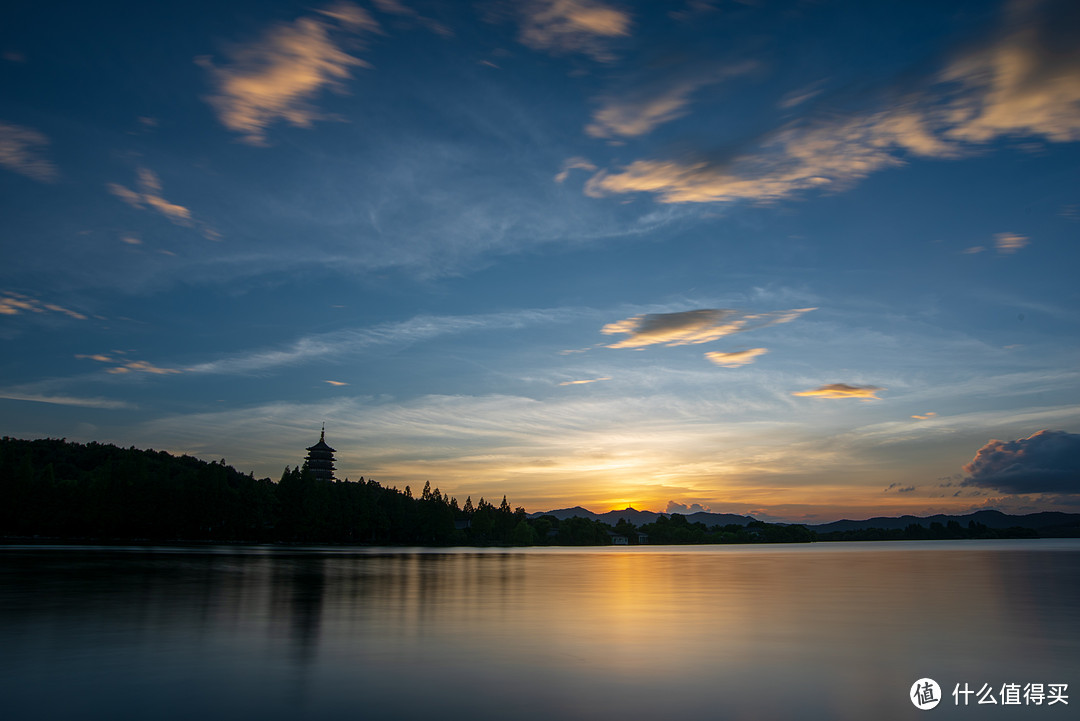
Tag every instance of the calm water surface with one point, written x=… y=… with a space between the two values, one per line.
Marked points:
x=822 y=631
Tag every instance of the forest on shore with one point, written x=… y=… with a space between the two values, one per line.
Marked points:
x=55 y=489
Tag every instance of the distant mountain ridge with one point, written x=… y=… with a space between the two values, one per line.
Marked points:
x=990 y=519
x=638 y=518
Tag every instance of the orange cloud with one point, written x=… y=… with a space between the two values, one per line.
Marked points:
x=692 y=326
x=793 y=159
x=842 y=390
x=129 y=366
x=336 y=383
x=12 y=303
x=148 y=197
x=1027 y=84
x=276 y=77
x=736 y=359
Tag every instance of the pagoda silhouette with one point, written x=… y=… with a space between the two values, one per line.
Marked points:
x=320 y=459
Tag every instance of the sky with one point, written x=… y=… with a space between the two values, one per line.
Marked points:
x=800 y=260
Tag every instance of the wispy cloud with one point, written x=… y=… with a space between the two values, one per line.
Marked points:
x=692 y=326
x=590 y=447
x=641 y=111
x=12 y=303
x=842 y=390
x=899 y=489
x=1027 y=84
x=585 y=381
x=737 y=358
x=123 y=365
x=395 y=7
x=142 y=367
x=21 y=152
x=341 y=343
x=336 y=383
x=278 y=76
x=798 y=157
x=1010 y=242
x=572 y=26
x=801 y=95
x=925 y=416
x=567 y=446
x=574 y=164
x=67 y=400
x=148 y=196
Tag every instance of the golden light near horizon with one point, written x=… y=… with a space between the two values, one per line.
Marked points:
x=610 y=318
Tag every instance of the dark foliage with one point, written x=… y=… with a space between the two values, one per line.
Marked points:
x=936 y=532
x=52 y=488
x=55 y=489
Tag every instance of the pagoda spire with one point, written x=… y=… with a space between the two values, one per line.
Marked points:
x=320 y=458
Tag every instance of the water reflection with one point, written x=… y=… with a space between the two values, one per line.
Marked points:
x=297 y=588
x=827 y=631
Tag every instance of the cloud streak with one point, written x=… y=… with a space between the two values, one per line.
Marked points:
x=585 y=381
x=21 y=152
x=833 y=153
x=341 y=343
x=12 y=303
x=1026 y=84
x=278 y=76
x=574 y=164
x=148 y=196
x=692 y=326
x=1009 y=243
x=123 y=365
x=842 y=390
x=67 y=400
x=563 y=27
x=737 y=358
x=641 y=112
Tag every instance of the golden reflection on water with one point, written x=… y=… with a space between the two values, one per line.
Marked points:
x=824 y=631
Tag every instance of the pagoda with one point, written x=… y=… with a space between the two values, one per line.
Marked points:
x=320 y=459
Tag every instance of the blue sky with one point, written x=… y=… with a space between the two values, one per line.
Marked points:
x=805 y=260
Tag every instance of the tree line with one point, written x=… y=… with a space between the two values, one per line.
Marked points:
x=51 y=488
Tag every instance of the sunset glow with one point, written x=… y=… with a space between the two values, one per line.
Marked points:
x=805 y=262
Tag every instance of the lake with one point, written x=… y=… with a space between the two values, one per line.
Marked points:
x=816 y=631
